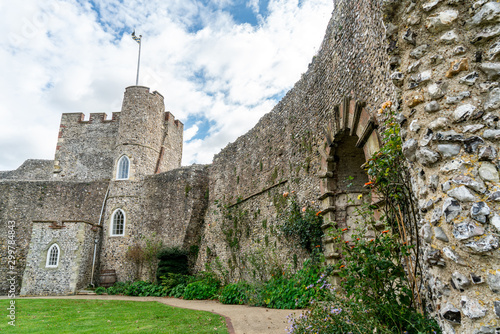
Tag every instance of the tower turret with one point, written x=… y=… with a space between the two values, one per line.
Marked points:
x=141 y=133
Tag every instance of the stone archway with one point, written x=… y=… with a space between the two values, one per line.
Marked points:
x=350 y=141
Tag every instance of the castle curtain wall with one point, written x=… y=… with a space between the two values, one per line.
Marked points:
x=27 y=201
x=283 y=149
x=437 y=61
x=85 y=149
x=167 y=207
x=445 y=56
x=75 y=242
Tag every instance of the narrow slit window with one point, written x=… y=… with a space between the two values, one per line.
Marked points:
x=53 y=256
x=123 y=168
x=118 y=223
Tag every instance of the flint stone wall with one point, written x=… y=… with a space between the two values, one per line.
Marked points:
x=169 y=207
x=89 y=159
x=76 y=245
x=438 y=61
x=31 y=169
x=283 y=149
x=28 y=201
x=447 y=67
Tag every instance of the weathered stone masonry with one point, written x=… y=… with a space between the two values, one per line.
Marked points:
x=441 y=57
x=436 y=60
x=445 y=57
x=168 y=207
x=350 y=75
x=72 y=203
x=76 y=244
x=54 y=202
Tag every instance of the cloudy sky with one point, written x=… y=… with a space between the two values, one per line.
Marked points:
x=221 y=64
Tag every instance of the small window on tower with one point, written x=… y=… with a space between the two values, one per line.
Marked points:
x=123 y=168
x=53 y=256
x=118 y=223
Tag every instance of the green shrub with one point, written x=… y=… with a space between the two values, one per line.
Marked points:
x=304 y=225
x=333 y=318
x=171 y=280
x=283 y=291
x=206 y=288
x=169 y=252
x=335 y=312
x=380 y=279
x=200 y=290
x=139 y=288
x=100 y=290
x=374 y=273
x=144 y=289
x=119 y=288
x=177 y=291
x=236 y=293
x=297 y=290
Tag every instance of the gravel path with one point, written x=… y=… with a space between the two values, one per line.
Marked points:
x=240 y=319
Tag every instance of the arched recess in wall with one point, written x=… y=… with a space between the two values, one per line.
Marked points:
x=123 y=168
x=53 y=254
x=351 y=139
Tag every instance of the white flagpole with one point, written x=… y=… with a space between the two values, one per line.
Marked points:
x=138 y=61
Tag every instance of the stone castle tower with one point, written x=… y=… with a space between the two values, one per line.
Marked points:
x=143 y=132
x=140 y=141
x=149 y=141
x=117 y=181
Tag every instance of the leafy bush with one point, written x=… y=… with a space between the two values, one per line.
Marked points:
x=236 y=293
x=170 y=252
x=284 y=290
x=380 y=278
x=171 y=280
x=374 y=273
x=177 y=291
x=100 y=290
x=333 y=318
x=296 y=291
x=200 y=290
x=119 y=288
x=304 y=225
x=144 y=289
x=360 y=305
x=206 y=288
x=373 y=296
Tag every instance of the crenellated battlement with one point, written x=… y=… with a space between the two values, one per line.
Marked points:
x=88 y=149
x=145 y=91
x=170 y=119
x=158 y=94
x=79 y=118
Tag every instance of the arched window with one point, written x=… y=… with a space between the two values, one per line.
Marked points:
x=123 y=168
x=53 y=256
x=118 y=223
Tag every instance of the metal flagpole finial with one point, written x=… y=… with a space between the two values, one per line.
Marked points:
x=138 y=40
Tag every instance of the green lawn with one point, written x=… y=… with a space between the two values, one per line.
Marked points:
x=106 y=316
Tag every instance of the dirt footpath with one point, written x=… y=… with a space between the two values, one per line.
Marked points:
x=240 y=319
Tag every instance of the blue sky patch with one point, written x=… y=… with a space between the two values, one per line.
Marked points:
x=115 y=28
x=48 y=86
x=242 y=13
x=204 y=125
x=199 y=77
x=240 y=10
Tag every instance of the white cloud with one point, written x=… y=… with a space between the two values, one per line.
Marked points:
x=62 y=56
x=254 y=5
x=190 y=133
